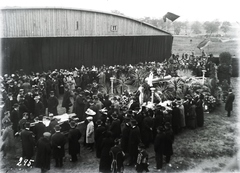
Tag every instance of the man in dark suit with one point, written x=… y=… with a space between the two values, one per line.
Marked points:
x=159 y=147
x=39 y=128
x=74 y=136
x=43 y=156
x=229 y=102
x=115 y=126
x=58 y=143
x=52 y=104
x=38 y=107
x=99 y=137
x=14 y=117
x=134 y=140
x=28 y=143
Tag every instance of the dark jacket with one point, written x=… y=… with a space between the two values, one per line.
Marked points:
x=125 y=137
x=38 y=130
x=28 y=143
x=229 y=102
x=115 y=128
x=169 y=139
x=39 y=109
x=66 y=99
x=14 y=117
x=99 y=134
x=58 y=143
x=117 y=156
x=52 y=105
x=105 y=160
x=73 y=141
x=43 y=156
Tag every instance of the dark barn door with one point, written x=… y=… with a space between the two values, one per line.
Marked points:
x=42 y=54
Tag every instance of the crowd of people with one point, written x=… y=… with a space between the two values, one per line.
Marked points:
x=118 y=130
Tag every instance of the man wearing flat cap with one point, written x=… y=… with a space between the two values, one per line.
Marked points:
x=74 y=136
x=58 y=143
x=43 y=156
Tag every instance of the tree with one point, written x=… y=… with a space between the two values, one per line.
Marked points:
x=211 y=27
x=225 y=26
x=177 y=26
x=196 y=27
x=186 y=26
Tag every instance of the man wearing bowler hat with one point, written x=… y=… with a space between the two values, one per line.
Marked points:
x=58 y=143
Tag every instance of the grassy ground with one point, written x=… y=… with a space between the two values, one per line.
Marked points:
x=206 y=149
x=182 y=44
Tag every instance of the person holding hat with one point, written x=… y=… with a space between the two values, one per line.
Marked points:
x=28 y=143
x=14 y=117
x=90 y=133
x=117 y=156
x=142 y=159
x=58 y=143
x=8 y=143
x=74 y=136
x=43 y=154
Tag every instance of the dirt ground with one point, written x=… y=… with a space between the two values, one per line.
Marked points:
x=211 y=148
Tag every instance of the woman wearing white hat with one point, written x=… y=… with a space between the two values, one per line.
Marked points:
x=90 y=133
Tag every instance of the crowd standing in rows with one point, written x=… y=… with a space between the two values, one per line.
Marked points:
x=117 y=128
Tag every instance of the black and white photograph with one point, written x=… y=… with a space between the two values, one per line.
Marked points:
x=119 y=86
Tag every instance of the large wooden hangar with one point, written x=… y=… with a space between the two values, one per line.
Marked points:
x=41 y=39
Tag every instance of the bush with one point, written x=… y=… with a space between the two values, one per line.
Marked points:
x=225 y=58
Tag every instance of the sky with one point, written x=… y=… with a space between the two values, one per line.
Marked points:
x=188 y=10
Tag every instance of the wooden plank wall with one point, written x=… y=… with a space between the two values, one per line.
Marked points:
x=43 y=54
x=69 y=23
